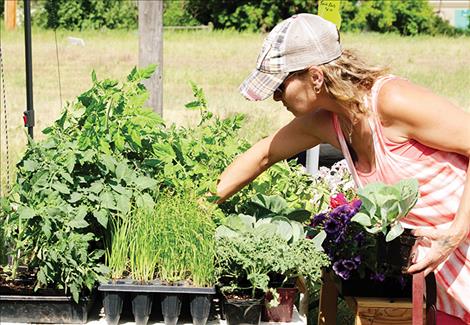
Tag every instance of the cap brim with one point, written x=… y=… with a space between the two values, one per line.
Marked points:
x=260 y=85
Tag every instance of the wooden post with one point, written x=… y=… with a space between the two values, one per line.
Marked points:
x=10 y=14
x=328 y=301
x=151 y=48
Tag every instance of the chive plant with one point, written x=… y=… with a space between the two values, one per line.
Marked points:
x=185 y=240
x=142 y=247
x=118 y=246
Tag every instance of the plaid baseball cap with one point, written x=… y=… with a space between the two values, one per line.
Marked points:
x=294 y=44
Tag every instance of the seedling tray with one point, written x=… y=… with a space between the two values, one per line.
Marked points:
x=144 y=296
x=154 y=287
x=43 y=309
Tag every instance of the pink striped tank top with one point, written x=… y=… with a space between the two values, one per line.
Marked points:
x=441 y=176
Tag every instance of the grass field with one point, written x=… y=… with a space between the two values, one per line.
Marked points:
x=218 y=61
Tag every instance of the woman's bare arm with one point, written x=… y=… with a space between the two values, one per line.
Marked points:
x=288 y=141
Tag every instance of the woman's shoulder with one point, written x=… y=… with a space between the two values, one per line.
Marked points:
x=397 y=96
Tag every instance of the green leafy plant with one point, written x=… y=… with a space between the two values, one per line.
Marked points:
x=247 y=263
x=117 y=247
x=183 y=232
x=383 y=205
x=241 y=224
x=143 y=248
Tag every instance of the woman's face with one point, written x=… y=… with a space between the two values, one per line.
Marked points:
x=297 y=93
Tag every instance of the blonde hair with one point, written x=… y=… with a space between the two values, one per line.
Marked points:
x=348 y=79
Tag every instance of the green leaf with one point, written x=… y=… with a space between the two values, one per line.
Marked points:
x=119 y=141
x=123 y=203
x=223 y=231
x=194 y=105
x=240 y=222
x=396 y=230
x=66 y=176
x=109 y=162
x=61 y=187
x=107 y=200
x=96 y=187
x=30 y=165
x=268 y=206
x=284 y=229
x=87 y=156
x=75 y=197
x=41 y=276
x=93 y=76
x=164 y=152
x=121 y=170
x=266 y=229
x=299 y=215
x=135 y=136
x=132 y=75
x=145 y=201
x=297 y=231
x=362 y=219
x=147 y=72
x=319 y=239
x=26 y=212
x=144 y=182
x=102 y=217
x=78 y=223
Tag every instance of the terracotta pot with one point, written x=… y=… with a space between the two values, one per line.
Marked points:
x=283 y=312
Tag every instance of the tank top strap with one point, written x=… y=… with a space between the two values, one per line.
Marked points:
x=345 y=150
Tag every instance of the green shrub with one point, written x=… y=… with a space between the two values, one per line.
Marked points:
x=409 y=17
x=175 y=13
x=251 y=15
x=87 y=14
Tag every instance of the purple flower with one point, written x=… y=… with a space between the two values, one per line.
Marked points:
x=344 y=213
x=343 y=268
x=380 y=277
x=331 y=226
x=349 y=265
x=318 y=219
x=356 y=205
x=359 y=237
x=340 y=270
x=357 y=260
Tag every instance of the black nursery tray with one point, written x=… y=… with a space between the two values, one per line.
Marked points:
x=144 y=297
x=153 y=287
x=43 y=309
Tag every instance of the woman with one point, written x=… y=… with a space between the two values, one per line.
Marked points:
x=387 y=128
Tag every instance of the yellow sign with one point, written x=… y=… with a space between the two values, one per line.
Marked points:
x=330 y=10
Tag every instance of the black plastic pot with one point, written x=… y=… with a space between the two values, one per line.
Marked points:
x=142 y=307
x=243 y=311
x=389 y=288
x=112 y=303
x=171 y=308
x=200 y=306
x=395 y=256
x=43 y=309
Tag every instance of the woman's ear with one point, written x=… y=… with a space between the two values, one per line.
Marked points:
x=316 y=76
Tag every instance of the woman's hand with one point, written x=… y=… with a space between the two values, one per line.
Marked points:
x=442 y=243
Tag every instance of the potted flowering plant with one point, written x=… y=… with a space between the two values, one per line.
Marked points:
x=363 y=237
